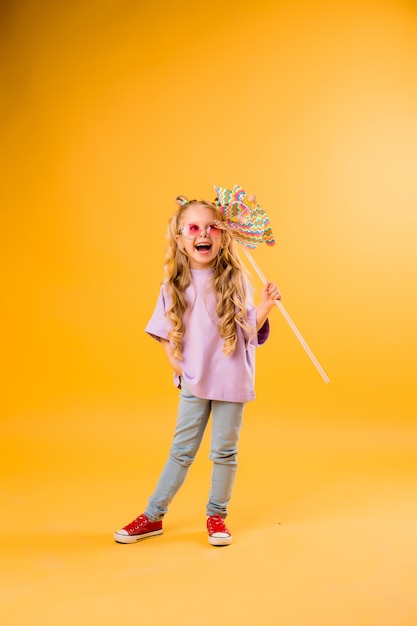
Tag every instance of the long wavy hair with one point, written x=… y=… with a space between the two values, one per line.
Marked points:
x=230 y=282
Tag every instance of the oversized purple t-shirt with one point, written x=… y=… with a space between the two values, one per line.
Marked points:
x=207 y=371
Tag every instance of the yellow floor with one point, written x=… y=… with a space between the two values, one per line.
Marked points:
x=323 y=517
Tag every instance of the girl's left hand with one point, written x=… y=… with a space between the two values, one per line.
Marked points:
x=271 y=292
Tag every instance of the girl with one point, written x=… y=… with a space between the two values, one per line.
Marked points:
x=208 y=327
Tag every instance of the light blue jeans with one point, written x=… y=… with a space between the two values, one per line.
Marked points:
x=193 y=416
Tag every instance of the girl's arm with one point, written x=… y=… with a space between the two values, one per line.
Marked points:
x=270 y=293
x=172 y=360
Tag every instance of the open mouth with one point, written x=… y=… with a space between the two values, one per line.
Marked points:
x=203 y=247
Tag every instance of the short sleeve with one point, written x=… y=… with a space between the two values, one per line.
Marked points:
x=158 y=327
x=263 y=332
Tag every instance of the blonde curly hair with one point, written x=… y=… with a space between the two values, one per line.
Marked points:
x=230 y=282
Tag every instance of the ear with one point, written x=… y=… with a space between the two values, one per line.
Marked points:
x=177 y=239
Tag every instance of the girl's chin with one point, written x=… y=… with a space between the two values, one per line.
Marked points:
x=201 y=264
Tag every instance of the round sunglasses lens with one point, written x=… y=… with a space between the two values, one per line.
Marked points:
x=191 y=231
x=214 y=231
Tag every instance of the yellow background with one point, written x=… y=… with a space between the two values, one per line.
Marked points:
x=108 y=111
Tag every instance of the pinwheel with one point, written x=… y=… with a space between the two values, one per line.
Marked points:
x=250 y=226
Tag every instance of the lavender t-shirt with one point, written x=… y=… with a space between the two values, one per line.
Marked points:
x=207 y=371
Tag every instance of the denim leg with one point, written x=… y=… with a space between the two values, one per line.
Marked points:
x=193 y=415
x=226 y=426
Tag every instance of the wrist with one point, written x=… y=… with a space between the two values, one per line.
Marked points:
x=265 y=308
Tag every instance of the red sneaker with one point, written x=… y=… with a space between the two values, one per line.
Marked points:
x=217 y=530
x=140 y=528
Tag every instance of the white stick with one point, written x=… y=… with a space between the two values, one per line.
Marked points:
x=289 y=320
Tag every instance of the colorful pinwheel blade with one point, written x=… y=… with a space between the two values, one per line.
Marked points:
x=248 y=221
